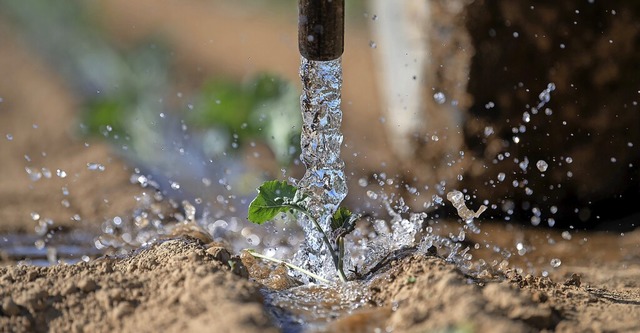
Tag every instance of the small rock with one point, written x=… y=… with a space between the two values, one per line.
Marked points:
x=10 y=308
x=573 y=280
x=69 y=289
x=34 y=299
x=220 y=254
x=279 y=279
x=201 y=271
x=539 y=297
x=195 y=257
x=108 y=266
x=31 y=276
x=103 y=297
x=87 y=285
x=123 y=309
x=238 y=268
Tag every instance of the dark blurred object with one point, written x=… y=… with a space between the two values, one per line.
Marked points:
x=590 y=135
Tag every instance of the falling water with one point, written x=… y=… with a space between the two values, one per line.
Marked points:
x=324 y=180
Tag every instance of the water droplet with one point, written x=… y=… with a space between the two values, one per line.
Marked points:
x=439 y=97
x=524 y=164
x=551 y=222
x=46 y=173
x=35 y=216
x=372 y=195
x=363 y=182
x=569 y=160
x=542 y=165
x=9 y=137
x=175 y=185
x=189 y=210
x=488 y=131
x=34 y=175
x=501 y=176
x=372 y=44
x=253 y=239
x=555 y=262
x=95 y=167
x=374 y=17
x=39 y=244
x=526 y=117
x=535 y=220
x=61 y=173
x=206 y=182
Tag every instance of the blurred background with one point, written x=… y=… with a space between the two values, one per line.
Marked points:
x=530 y=108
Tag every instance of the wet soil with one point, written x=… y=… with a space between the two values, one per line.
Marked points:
x=181 y=284
x=184 y=285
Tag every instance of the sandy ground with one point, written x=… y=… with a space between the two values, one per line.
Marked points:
x=185 y=285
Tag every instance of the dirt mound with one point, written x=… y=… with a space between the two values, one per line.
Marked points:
x=429 y=294
x=171 y=286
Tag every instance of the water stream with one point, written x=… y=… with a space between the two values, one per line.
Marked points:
x=324 y=180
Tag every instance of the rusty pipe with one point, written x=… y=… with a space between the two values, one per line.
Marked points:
x=321 y=29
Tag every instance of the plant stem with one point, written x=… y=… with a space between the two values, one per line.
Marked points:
x=337 y=260
x=292 y=266
x=341 y=256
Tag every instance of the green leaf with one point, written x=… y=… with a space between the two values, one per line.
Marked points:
x=340 y=217
x=274 y=197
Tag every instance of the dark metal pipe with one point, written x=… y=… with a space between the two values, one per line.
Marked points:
x=321 y=29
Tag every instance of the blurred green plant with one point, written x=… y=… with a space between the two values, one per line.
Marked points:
x=264 y=108
x=124 y=91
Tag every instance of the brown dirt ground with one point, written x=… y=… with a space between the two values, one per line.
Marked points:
x=183 y=285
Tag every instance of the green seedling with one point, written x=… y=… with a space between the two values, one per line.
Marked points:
x=278 y=197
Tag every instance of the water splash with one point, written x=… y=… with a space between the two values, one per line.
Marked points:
x=457 y=200
x=324 y=181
